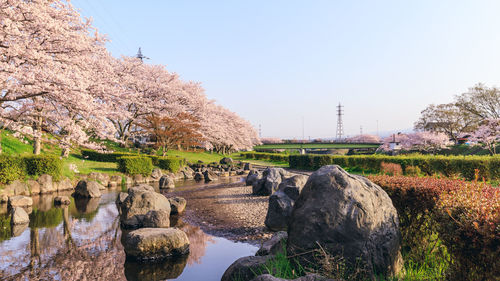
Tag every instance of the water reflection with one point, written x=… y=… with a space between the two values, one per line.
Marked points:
x=82 y=241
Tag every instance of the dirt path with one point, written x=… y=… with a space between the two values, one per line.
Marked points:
x=227 y=209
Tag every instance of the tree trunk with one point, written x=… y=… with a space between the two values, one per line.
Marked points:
x=1 y=141
x=37 y=145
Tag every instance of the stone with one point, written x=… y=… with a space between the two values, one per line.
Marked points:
x=188 y=173
x=350 y=217
x=19 y=216
x=292 y=186
x=156 y=174
x=253 y=176
x=268 y=184
x=167 y=182
x=198 y=176
x=33 y=186
x=87 y=189
x=137 y=204
x=20 y=201
x=226 y=161
x=156 y=218
x=18 y=229
x=46 y=184
x=61 y=200
x=101 y=178
x=209 y=176
x=140 y=188
x=138 y=179
x=156 y=243
x=114 y=181
x=177 y=205
x=64 y=184
x=121 y=198
x=276 y=244
x=243 y=269
x=279 y=211
x=247 y=167
x=17 y=187
x=165 y=269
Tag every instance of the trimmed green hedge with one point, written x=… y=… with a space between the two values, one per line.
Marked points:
x=172 y=164
x=135 y=165
x=15 y=167
x=265 y=156
x=11 y=168
x=104 y=157
x=449 y=166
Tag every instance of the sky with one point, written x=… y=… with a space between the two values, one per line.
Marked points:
x=285 y=65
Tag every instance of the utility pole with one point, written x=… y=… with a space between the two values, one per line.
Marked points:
x=340 y=125
x=140 y=55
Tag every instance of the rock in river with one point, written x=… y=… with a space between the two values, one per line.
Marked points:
x=138 y=203
x=271 y=179
x=167 y=182
x=156 y=243
x=87 y=189
x=19 y=216
x=177 y=205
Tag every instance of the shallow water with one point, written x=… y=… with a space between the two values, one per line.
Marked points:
x=82 y=242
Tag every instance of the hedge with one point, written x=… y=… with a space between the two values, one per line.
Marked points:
x=135 y=165
x=104 y=157
x=15 y=167
x=265 y=156
x=449 y=166
x=452 y=218
x=173 y=164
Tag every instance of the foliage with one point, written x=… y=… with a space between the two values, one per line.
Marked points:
x=488 y=134
x=265 y=156
x=448 y=166
x=11 y=168
x=103 y=157
x=448 y=216
x=481 y=101
x=44 y=164
x=172 y=164
x=281 y=266
x=134 y=165
x=317 y=145
x=51 y=218
x=391 y=169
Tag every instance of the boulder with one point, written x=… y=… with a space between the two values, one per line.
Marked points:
x=121 y=198
x=208 y=175
x=46 y=184
x=253 y=177
x=138 y=179
x=33 y=186
x=279 y=211
x=271 y=179
x=18 y=229
x=243 y=269
x=167 y=182
x=156 y=243
x=138 y=203
x=247 y=167
x=87 y=189
x=156 y=218
x=293 y=185
x=156 y=174
x=350 y=217
x=140 y=188
x=226 y=161
x=64 y=184
x=17 y=187
x=61 y=200
x=177 y=205
x=276 y=244
x=159 y=270
x=198 y=176
x=114 y=181
x=20 y=201
x=101 y=178
x=19 y=216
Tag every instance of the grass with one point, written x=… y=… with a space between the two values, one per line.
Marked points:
x=316 y=145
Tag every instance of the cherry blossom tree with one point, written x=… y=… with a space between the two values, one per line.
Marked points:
x=421 y=141
x=364 y=139
x=488 y=135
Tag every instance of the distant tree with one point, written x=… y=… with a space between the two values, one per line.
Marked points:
x=480 y=101
x=448 y=119
x=364 y=139
x=488 y=134
x=271 y=140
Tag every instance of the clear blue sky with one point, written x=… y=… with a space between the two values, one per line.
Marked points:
x=276 y=62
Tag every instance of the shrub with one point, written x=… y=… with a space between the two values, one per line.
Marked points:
x=463 y=216
x=278 y=157
x=172 y=164
x=391 y=169
x=44 y=164
x=11 y=168
x=135 y=165
x=104 y=157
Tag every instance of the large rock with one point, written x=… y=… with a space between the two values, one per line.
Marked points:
x=247 y=167
x=33 y=186
x=140 y=188
x=114 y=181
x=273 y=246
x=138 y=203
x=279 y=211
x=198 y=176
x=293 y=185
x=177 y=205
x=187 y=172
x=101 y=178
x=46 y=184
x=253 y=177
x=64 y=184
x=156 y=243
x=156 y=174
x=19 y=216
x=226 y=161
x=17 y=187
x=208 y=175
x=87 y=189
x=156 y=218
x=270 y=181
x=244 y=269
x=348 y=216
x=167 y=182
x=20 y=201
